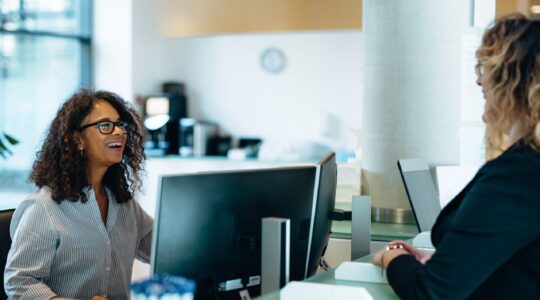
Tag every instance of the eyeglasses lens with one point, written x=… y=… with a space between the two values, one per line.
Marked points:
x=107 y=127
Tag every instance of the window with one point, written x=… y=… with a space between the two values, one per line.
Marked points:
x=44 y=57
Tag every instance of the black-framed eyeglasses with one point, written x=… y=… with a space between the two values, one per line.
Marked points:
x=107 y=127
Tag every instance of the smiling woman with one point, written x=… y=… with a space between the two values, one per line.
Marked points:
x=78 y=234
x=83 y=147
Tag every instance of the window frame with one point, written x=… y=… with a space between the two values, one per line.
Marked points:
x=84 y=39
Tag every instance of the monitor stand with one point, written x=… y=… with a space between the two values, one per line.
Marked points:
x=275 y=254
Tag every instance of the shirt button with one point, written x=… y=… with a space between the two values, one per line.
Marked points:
x=108 y=269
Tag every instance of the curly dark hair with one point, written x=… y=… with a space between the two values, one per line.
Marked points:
x=59 y=164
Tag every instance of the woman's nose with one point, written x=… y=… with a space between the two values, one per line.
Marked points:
x=118 y=131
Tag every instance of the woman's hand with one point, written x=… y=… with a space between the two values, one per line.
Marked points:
x=421 y=256
x=383 y=257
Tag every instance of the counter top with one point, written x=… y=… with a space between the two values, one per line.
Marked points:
x=385 y=232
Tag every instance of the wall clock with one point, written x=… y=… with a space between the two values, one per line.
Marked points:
x=273 y=60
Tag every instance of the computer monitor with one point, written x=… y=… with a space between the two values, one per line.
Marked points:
x=421 y=192
x=325 y=195
x=208 y=225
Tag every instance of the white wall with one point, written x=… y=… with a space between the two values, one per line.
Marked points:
x=317 y=97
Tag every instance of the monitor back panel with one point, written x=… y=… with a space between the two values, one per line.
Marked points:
x=209 y=225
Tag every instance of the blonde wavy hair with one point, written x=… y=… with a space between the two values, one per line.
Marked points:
x=510 y=56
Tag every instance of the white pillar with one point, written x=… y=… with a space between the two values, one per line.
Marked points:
x=112 y=40
x=127 y=46
x=412 y=89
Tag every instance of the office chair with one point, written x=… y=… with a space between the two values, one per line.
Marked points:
x=5 y=244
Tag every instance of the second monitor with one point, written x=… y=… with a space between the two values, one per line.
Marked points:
x=208 y=225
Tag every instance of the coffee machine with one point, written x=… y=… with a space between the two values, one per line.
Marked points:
x=196 y=137
x=162 y=113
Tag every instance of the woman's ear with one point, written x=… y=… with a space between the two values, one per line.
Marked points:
x=79 y=141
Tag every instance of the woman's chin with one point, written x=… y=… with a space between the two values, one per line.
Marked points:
x=114 y=160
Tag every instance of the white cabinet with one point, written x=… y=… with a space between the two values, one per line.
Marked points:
x=210 y=17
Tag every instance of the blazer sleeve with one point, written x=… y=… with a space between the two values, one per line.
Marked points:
x=145 y=224
x=32 y=252
x=497 y=218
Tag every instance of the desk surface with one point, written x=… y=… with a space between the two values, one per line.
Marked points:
x=377 y=290
x=379 y=231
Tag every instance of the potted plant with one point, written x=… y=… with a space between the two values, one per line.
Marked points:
x=6 y=141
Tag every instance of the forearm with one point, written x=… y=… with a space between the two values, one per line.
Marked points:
x=402 y=274
x=144 y=248
x=145 y=226
x=385 y=258
x=26 y=287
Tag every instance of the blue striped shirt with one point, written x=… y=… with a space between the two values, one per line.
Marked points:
x=66 y=250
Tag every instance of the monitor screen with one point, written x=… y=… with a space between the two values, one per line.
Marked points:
x=421 y=192
x=325 y=194
x=208 y=225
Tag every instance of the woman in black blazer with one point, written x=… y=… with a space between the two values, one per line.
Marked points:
x=487 y=239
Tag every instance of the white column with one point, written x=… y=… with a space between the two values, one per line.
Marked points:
x=112 y=40
x=412 y=89
x=127 y=46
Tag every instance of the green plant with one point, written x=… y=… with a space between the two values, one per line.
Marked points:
x=6 y=140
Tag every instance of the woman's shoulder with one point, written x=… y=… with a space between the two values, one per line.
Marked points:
x=40 y=197
x=39 y=202
x=513 y=177
x=34 y=208
x=519 y=160
x=505 y=188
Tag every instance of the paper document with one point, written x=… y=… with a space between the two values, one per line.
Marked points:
x=317 y=291
x=472 y=148
x=423 y=240
x=359 y=271
x=452 y=179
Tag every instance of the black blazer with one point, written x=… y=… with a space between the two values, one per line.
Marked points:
x=487 y=238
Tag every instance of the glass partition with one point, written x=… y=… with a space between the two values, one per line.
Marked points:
x=44 y=57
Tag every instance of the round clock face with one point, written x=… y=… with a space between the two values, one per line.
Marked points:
x=273 y=60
